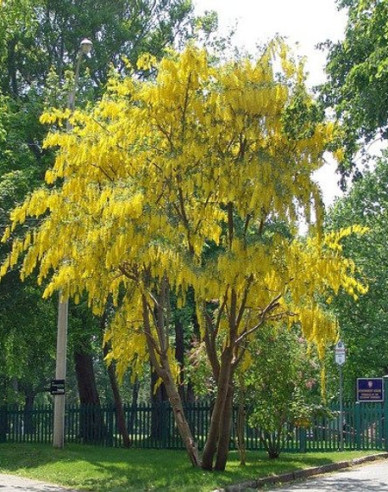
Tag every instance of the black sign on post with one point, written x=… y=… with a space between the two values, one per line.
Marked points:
x=57 y=387
x=370 y=389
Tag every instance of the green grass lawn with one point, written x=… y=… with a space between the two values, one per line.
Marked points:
x=113 y=470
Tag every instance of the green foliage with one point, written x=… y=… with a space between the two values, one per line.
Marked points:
x=27 y=340
x=357 y=67
x=280 y=384
x=301 y=116
x=40 y=34
x=363 y=324
x=199 y=371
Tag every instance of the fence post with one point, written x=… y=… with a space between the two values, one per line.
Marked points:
x=302 y=439
x=357 y=420
x=3 y=423
x=385 y=379
x=110 y=411
x=165 y=430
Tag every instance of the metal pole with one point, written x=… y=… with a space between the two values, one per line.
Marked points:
x=60 y=373
x=63 y=304
x=341 y=408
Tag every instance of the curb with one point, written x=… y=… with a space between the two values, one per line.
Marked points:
x=300 y=474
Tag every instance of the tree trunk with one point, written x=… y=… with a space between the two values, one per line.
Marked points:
x=223 y=387
x=179 y=415
x=180 y=356
x=240 y=426
x=92 y=424
x=224 y=432
x=3 y=386
x=135 y=394
x=158 y=398
x=271 y=443
x=161 y=365
x=190 y=395
x=11 y=66
x=119 y=410
x=87 y=387
x=29 y=399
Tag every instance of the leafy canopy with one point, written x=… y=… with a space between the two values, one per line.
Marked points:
x=363 y=324
x=177 y=181
x=358 y=77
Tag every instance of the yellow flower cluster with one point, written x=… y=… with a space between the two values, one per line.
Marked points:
x=181 y=177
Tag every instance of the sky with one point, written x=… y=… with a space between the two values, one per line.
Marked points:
x=305 y=23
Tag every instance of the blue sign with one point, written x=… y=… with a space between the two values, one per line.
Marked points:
x=371 y=389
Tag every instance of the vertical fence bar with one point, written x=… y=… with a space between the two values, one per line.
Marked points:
x=42 y=421
x=381 y=427
x=133 y=423
x=164 y=431
x=47 y=425
x=70 y=424
x=117 y=438
x=69 y=428
x=385 y=412
x=357 y=421
x=143 y=427
x=367 y=418
x=143 y=443
x=302 y=440
x=3 y=423
x=111 y=428
x=347 y=425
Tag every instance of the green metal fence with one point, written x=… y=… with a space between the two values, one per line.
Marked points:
x=363 y=427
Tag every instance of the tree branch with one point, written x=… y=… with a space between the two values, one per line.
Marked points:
x=230 y=224
x=152 y=345
x=263 y=317
x=210 y=344
x=244 y=301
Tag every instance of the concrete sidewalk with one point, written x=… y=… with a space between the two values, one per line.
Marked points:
x=303 y=474
x=12 y=483
x=366 y=478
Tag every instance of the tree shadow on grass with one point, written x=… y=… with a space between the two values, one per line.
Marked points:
x=113 y=470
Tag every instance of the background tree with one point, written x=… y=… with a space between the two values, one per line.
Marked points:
x=41 y=34
x=23 y=311
x=26 y=321
x=357 y=85
x=363 y=323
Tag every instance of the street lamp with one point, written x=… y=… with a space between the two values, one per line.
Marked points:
x=85 y=47
x=63 y=305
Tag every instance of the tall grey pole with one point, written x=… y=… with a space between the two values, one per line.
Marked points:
x=341 y=402
x=340 y=358
x=63 y=305
x=60 y=373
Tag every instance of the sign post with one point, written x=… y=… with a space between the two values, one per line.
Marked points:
x=340 y=358
x=57 y=387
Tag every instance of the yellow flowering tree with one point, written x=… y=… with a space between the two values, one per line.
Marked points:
x=179 y=183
